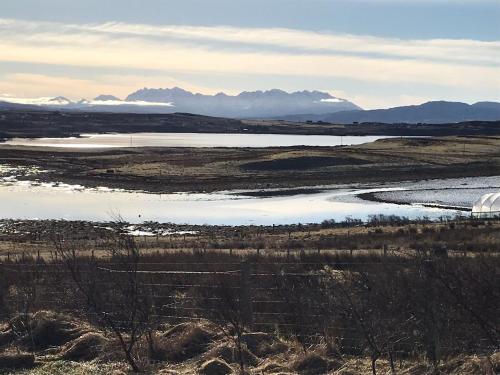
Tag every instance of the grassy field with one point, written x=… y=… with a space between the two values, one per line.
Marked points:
x=398 y=235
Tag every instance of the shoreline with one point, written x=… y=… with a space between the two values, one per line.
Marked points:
x=176 y=169
x=60 y=124
x=372 y=197
x=337 y=194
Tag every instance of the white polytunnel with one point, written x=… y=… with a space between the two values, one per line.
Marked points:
x=487 y=206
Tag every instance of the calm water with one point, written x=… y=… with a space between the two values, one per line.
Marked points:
x=23 y=200
x=193 y=140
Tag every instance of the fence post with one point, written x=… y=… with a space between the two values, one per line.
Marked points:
x=434 y=340
x=246 y=296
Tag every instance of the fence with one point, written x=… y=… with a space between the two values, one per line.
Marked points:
x=355 y=304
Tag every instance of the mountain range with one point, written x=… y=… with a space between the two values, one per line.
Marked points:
x=435 y=112
x=300 y=106
x=272 y=103
x=257 y=104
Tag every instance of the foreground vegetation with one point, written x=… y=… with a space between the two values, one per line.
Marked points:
x=201 y=348
x=189 y=303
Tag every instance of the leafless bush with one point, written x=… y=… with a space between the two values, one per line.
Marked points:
x=114 y=297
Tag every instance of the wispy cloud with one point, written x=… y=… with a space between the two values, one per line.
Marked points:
x=28 y=85
x=296 y=41
x=458 y=64
x=472 y=51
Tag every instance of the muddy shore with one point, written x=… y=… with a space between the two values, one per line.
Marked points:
x=166 y=170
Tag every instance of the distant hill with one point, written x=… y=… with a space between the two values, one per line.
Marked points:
x=272 y=103
x=6 y=106
x=431 y=113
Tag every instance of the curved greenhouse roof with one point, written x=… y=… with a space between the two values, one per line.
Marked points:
x=487 y=206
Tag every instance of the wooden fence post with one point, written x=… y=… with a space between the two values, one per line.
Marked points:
x=246 y=295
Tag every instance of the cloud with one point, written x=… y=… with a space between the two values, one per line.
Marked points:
x=179 y=58
x=34 y=43
x=25 y=85
x=58 y=101
x=221 y=50
x=40 y=85
x=472 y=51
x=224 y=37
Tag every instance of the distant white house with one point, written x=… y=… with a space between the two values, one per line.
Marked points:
x=487 y=206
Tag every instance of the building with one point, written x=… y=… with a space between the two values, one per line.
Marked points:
x=488 y=206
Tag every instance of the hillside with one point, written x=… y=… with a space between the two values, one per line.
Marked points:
x=430 y=113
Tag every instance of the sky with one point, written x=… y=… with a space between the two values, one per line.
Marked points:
x=376 y=53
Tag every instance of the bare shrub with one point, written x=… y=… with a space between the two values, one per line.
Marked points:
x=114 y=297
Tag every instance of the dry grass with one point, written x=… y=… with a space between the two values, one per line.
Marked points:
x=31 y=238
x=217 y=357
x=74 y=368
x=183 y=342
x=45 y=329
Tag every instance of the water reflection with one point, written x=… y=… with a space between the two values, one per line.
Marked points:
x=22 y=200
x=193 y=140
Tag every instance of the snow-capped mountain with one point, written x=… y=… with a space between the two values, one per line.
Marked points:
x=104 y=103
x=257 y=104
